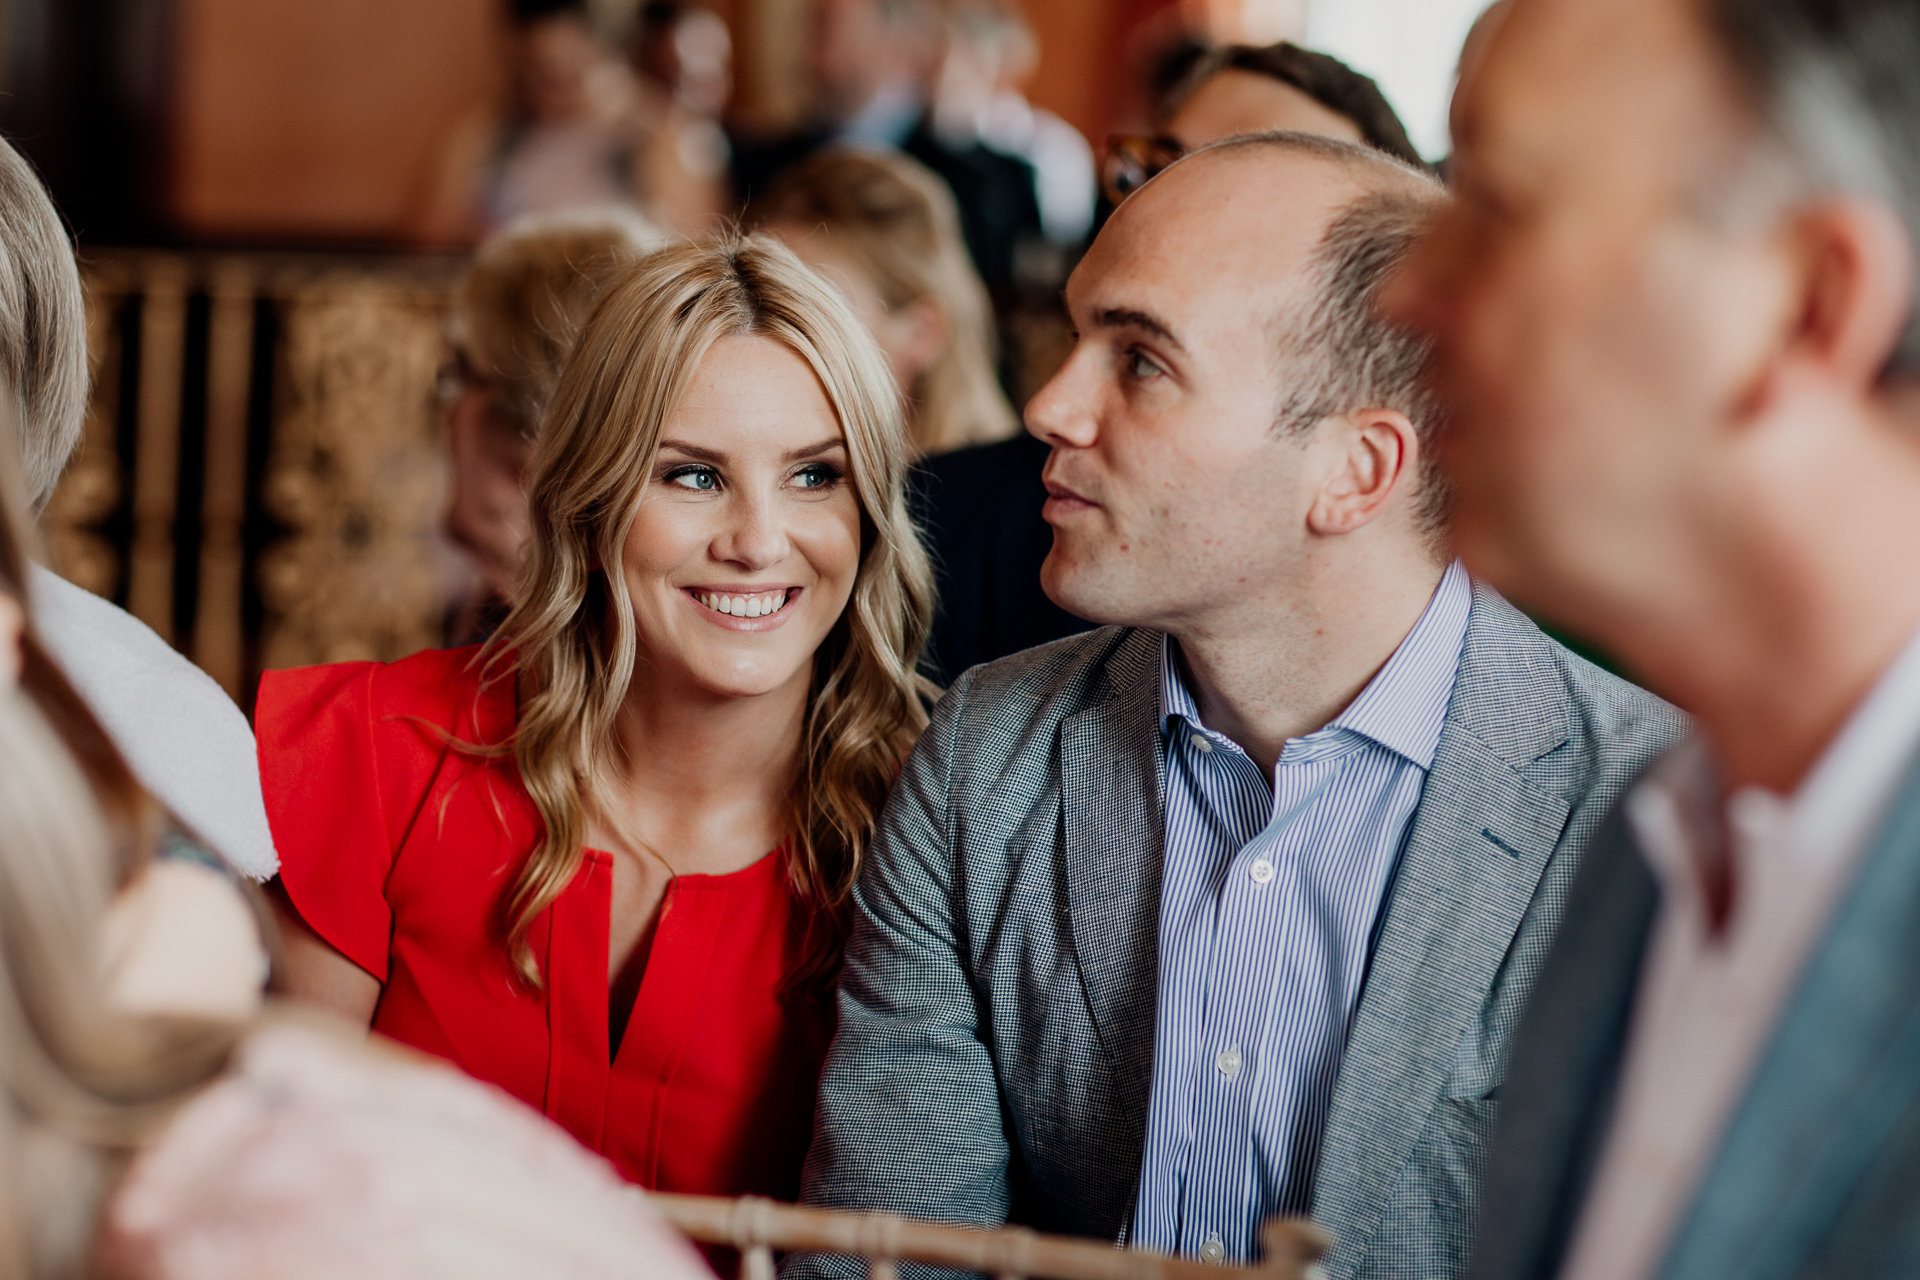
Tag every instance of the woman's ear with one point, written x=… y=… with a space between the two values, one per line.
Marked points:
x=1369 y=454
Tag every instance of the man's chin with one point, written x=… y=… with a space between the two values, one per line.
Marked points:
x=1077 y=588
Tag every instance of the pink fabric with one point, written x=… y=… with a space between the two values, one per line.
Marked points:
x=315 y=1158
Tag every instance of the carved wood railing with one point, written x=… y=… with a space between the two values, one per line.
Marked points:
x=263 y=475
x=758 y=1228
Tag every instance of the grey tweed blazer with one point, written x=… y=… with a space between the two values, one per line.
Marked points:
x=997 y=1008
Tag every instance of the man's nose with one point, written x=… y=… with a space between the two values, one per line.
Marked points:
x=1061 y=412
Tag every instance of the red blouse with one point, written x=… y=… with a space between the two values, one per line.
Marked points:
x=395 y=847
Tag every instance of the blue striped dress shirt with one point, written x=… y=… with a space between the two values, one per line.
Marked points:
x=1267 y=908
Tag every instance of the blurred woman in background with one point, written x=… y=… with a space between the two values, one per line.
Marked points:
x=605 y=861
x=516 y=312
x=884 y=229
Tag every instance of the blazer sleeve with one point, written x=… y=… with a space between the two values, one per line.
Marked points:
x=909 y=1117
x=321 y=774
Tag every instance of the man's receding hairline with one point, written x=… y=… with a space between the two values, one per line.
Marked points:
x=1385 y=174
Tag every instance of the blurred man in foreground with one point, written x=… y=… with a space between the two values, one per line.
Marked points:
x=1227 y=909
x=1675 y=305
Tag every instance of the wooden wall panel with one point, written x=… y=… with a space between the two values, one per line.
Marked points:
x=324 y=121
x=1091 y=50
x=1080 y=53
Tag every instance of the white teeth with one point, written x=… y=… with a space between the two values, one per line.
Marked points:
x=745 y=606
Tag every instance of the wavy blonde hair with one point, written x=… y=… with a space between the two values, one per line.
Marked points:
x=571 y=634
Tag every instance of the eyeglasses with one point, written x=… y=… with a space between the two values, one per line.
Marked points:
x=457 y=375
x=1133 y=158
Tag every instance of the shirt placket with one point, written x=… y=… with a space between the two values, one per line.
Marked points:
x=1252 y=941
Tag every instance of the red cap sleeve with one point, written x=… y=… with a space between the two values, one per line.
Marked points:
x=321 y=776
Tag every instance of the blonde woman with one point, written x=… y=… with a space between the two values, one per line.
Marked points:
x=884 y=230
x=603 y=863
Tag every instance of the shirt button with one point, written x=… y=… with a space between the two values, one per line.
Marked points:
x=1213 y=1250
x=1200 y=743
x=1261 y=871
x=1228 y=1061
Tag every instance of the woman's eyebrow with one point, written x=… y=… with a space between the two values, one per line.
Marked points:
x=815 y=450
x=693 y=451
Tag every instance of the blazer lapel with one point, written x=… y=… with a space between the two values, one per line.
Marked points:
x=1558 y=1093
x=1478 y=847
x=1840 y=1073
x=1112 y=784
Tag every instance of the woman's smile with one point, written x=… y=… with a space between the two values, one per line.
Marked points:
x=744 y=608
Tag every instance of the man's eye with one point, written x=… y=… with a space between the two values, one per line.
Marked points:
x=1140 y=366
x=703 y=479
x=818 y=475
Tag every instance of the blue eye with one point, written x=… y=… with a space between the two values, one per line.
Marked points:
x=1139 y=366
x=817 y=475
x=702 y=479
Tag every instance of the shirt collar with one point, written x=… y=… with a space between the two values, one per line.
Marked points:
x=1404 y=706
x=1682 y=824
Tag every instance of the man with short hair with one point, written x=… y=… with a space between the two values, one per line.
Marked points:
x=1224 y=910
x=1675 y=305
x=181 y=735
x=1242 y=88
x=980 y=506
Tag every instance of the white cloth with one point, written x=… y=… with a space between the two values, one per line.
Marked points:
x=1708 y=1002
x=181 y=734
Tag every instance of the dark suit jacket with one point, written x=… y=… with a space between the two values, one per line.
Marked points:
x=993 y=191
x=1819 y=1172
x=979 y=509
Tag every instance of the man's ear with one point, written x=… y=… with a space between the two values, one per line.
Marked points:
x=1370 y=455
x=1853 y=279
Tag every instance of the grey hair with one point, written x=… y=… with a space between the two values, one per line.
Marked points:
x=43 y=326
x=1834 y=85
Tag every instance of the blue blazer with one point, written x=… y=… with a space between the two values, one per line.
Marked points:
x=1819 y=1172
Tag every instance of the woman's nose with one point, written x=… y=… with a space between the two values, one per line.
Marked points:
x=755 y=538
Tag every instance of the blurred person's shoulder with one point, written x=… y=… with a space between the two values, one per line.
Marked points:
x=183 y=737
